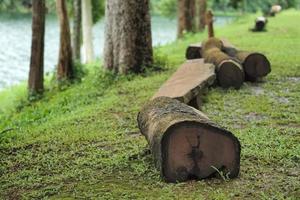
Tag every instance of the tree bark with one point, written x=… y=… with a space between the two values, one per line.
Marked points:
x=76 y=37
x=202 y=10
x=186 y=16
x=87 y=29
x=36 y=71
x=185 y=143
x=229 y=72
x=65 y=65
x=128 y=41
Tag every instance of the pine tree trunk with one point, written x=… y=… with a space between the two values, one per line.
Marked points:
x=76 y=37
x=185 y=143
x=36 y=71
x=128 y=42
x=87 y=30
x=186 y=16
x=65 y=65
x=202 y=10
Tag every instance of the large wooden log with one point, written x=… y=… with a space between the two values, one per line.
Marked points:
x=229 y=72
x=189 y=82
x=185 y=143
x=255 y=65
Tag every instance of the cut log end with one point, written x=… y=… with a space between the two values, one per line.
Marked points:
x=256 y=65
x=230 y=74
x=194 y=151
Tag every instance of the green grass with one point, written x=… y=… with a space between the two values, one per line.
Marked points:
x=83 y=142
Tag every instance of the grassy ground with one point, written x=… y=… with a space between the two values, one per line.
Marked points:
x=83 y=142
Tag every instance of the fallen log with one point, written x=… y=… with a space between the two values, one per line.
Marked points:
x=189 y=82
x=229 y=72
x=185 y=143
x=260 y=24
x=255 y=65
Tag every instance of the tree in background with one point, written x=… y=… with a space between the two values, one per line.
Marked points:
x=186 y=16
x=65 y=64
x=128 y=41
x=201 y=14
x=36 y=71
x=87 y=30
x=76 y=36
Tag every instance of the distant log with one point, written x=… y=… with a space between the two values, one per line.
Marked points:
x=255 y=65
x=189 y=82
x=229 y=72
x=260 y=24
x=193 y=51
x=185 y=143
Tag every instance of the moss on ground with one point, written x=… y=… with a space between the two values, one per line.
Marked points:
x=83 y=141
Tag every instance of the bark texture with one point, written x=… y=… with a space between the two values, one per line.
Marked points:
x=229 y=72
x=65 y=65
x=185 y=143
x=202 y=10
x=87 y=30
x=36 y=71
x=76 y=37
x=186 y=16
x=128 y=41
x=189 y=82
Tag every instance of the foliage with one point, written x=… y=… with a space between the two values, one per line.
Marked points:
x=83 y=142
x=167 y=8
x=98 y=9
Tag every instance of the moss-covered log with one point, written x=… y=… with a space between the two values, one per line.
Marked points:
x=185 y=143
x=229 y=72
x=189 y=82
x=255 y=65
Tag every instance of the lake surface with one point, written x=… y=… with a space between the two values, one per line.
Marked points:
x=15 y=43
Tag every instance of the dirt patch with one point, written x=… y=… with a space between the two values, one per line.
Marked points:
x=254 y=117
x=256 y=90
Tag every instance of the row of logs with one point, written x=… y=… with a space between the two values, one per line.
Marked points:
x=233 y=66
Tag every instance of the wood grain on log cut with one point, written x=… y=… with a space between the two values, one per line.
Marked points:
x=185 y=143
x=255 y=65
x=229 y=72
x=189 y=81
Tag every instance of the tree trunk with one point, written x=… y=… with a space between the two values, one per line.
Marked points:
x=76 y=37
x=229 y=72
x=65 y=65
x=185 y=143
x=36 y=71
x=186 y=16
x=128 y=42
x=87 y=29
x=202 y=10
